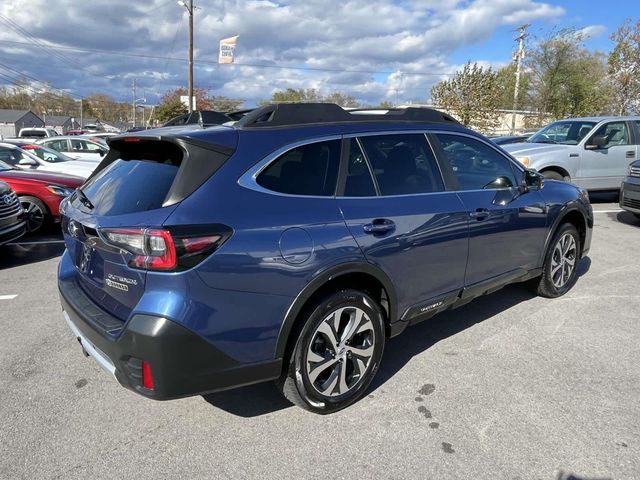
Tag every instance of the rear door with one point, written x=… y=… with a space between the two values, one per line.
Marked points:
x=397 y=208
x=606 y=167
x=507 y=227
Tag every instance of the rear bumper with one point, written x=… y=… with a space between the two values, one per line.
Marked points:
x=630 y=195
x=182 y=363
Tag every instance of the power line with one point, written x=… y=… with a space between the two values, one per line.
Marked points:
x=255 y=65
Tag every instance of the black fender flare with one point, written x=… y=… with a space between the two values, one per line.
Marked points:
x=562 y=214
x=319 y=280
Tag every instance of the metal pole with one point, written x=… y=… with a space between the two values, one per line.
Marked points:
x=81 y=124
x=519 y=56
x=134 y=102
x=190 y=92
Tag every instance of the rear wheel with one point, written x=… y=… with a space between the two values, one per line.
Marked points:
x=559 y=272
x=37 y=210
x=337 y=353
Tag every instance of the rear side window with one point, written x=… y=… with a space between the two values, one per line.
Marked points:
x=310 y=169
x=59 y=145
x=476 y=165
x=358 y=182
x=403 y=164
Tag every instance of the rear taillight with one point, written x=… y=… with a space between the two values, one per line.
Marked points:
x=155 y=249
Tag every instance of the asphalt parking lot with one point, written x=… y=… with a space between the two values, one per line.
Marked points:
x=510 y=386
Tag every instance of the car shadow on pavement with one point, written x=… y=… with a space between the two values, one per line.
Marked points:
x=627 y=218
x=264 y=398
x=15 y=255
x=400 y=350
x=250 y=401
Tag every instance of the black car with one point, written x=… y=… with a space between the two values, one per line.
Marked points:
x=12 y=215
x=205 y=118
x=630 y=191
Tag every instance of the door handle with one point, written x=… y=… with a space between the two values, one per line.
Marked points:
x=480 y=213
x=631 y=154
x=378 y=226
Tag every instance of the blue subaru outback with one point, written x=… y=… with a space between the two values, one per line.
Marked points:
x=291 y=245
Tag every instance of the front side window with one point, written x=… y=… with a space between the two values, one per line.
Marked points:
x=565 y=132
x=310 y=169
x=59 y=145
x=616 y=134
x=476 y=165
x=403 y=164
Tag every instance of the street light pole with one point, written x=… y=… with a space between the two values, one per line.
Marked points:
x=189 y=7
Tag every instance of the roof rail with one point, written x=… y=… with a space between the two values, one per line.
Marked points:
x=291 y=114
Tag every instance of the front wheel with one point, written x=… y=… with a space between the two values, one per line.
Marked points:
x=37 y=211
x=337 y=353
x=559 y=272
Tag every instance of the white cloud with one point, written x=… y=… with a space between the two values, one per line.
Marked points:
x=408 y=42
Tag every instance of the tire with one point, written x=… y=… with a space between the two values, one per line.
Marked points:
x=39 y=213
x=558 y=274
x=554 y=175
x=324 y=355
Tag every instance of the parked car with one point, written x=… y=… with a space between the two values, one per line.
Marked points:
x=77 y=148
x=93 y=128
x=205 y=118
x=37 y=133
x=76 y=132
x=36 y=157
x=290 y=246
x=40 y=193
x=509 y=139
x=630 y=191
x=594 y=152
x=12 y=215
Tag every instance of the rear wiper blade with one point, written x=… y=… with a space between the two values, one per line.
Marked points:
x=84 y=199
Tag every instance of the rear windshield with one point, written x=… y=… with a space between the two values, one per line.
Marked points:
x=128 y=186
x=33 y=133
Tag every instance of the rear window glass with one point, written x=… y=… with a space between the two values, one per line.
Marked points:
x=33 y=133
x=130 y=186
x=306 y=170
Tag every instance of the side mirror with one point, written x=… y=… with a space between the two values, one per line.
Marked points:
x=28 y=162
x=532 y=179
x=596 y=142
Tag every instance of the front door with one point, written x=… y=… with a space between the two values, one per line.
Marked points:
x=507 y=227
x=605 y=167
x=396 y=207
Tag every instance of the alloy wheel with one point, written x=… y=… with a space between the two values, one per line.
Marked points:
x=36 y=215
x=340 y=351
x=563 y=260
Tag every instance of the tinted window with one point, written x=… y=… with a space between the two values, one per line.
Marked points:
x=476 y=165
x=306 y=170
x=359 y=182
x=12 y=156
x=616 y=132
x=403 y=164
x=567 y=132
x=59 y=145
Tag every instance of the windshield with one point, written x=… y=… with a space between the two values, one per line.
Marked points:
x=567 y=132
x=46 y=154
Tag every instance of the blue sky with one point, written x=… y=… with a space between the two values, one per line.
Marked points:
x=373 y=50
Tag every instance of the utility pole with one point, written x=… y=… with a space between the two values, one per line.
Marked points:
x=81 y=124
x=134 y=102
x=518 y=56
x=189 y=7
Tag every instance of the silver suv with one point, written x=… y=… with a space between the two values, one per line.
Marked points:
x=592 y=152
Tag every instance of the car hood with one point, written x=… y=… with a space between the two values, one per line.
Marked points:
x=72 y=167
x=47 y=178
x=530 y=149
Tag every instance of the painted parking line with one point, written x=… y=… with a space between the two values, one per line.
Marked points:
x=608 y=211
x=7 y=297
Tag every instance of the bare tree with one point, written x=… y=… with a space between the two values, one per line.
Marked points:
x=624 y=68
